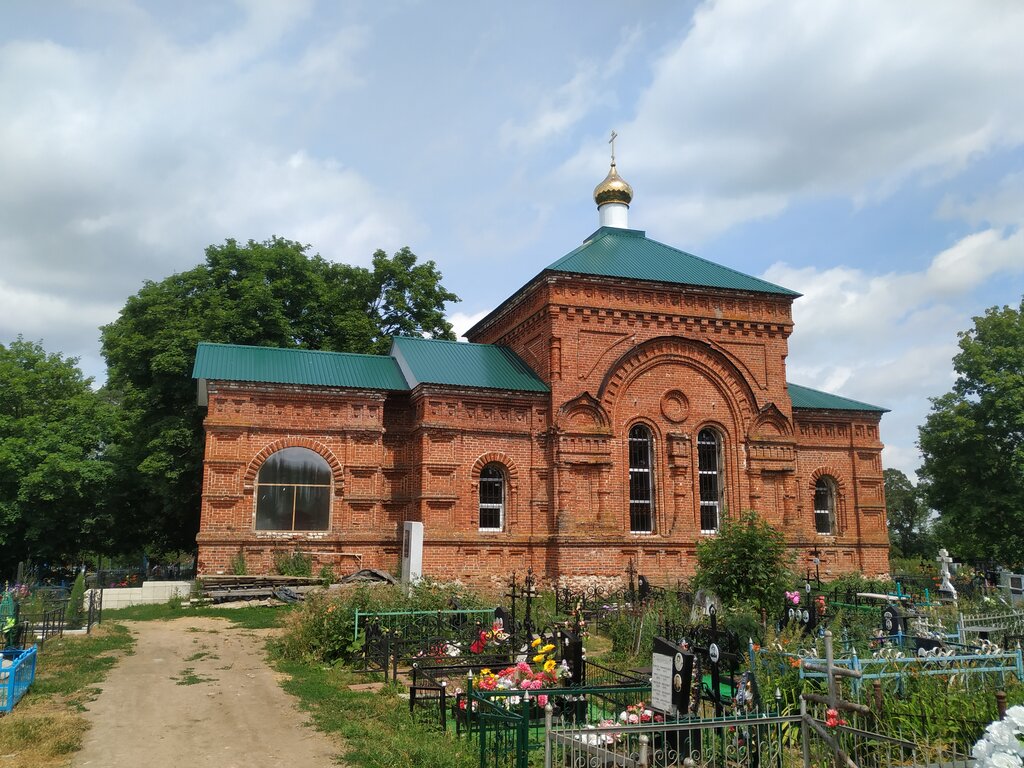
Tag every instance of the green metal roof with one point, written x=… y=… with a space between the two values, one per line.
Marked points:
x=234 y=362
x=629 y=253
x=432 y=361
x=805 y=397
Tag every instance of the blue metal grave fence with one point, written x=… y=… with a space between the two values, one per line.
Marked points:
x=17 y=671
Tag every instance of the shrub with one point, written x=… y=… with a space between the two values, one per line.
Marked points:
x=238 y=565
x=74 y=614
x=747 y=561
x=293 y=564
x=323 y=629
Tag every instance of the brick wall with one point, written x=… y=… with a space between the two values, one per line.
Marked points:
x=675 y=359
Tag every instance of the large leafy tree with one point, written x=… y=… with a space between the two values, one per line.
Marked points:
x=909 y=530
x=973 y=443
x=271 y=293
x=54 y=467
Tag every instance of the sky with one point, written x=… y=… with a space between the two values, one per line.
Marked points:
x=869 y=155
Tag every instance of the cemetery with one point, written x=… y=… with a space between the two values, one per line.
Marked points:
x=637 y=670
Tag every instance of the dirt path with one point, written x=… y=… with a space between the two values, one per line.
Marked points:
x=198 y=692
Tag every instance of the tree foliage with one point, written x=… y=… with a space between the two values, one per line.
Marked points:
x=54 y=471
x=973 y=443
x=747 y=561
x=909 y=530
x=270 y=293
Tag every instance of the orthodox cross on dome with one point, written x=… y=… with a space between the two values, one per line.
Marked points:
x=612 y=142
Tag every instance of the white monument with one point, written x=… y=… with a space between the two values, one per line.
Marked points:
x=412 y=553
x=946 y=587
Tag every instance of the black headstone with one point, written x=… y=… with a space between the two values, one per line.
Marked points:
x=893 y=621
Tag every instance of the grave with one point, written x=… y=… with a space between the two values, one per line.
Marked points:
x=946 y=589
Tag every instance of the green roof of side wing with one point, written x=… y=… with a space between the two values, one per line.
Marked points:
x=458 y=364
x=234 y=362
x=629 y=253
x=805 y=397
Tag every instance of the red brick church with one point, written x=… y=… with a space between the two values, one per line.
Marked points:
x=618 y=406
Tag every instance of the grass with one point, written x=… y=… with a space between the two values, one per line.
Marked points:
x=47 y=726
x=251 y=617
x=189 y=677
x=375 y=727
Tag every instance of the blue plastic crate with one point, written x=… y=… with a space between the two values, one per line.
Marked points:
x=17 y=671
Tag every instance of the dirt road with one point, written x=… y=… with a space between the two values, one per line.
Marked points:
x=198 y=692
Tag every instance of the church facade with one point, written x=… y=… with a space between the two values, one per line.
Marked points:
x=617 y=407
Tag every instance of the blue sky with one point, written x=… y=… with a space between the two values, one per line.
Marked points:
x=869 y=155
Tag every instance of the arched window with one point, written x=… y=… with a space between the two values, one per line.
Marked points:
x=825 y=505
x=709 y=474
x=293 y=492
x=492 y=497
x=641 y=480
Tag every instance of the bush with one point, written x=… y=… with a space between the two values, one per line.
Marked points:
x=74 y=614
x=238 y=565
x=293 y=564
x=323 y=629
x=746 y=562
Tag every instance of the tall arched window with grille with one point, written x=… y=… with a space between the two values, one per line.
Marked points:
x=825 y=505
x=293 y=492
x=492 y=497
x=709 y=474
x=641 y=480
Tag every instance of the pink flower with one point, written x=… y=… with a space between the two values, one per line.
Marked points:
x=542 y=700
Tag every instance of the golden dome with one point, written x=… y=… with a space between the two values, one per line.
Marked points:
x=614 y=189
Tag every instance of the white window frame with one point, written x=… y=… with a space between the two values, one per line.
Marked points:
x=828 y=513
x=716 y=503
x=490 y=506
x=640 y=472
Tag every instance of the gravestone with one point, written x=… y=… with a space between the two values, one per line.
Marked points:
x=805 y=614
x=671 y=678
x=644 y=588
x=946 y=588
x=893 y=621
x=573 y=655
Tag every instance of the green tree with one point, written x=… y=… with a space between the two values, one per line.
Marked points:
x=748 y=561
x=907 y=513
x=54 y=471
x=270 y=293
x=973 y=443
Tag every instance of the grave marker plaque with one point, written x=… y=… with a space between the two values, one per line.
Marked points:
x=671 y=678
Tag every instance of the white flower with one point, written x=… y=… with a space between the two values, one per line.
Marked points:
x=1001 y=746
x=1016 y=716
x=1004 y=760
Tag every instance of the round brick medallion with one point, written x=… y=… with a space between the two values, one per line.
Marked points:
x=675 y=407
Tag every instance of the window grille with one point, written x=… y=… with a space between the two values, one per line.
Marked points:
x=492 y=498
x=709 y=475
x=824 y=506
x=641 y=484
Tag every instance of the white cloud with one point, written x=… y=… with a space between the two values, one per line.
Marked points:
x=122 y=163
x=1003 y=205
x=889 y=339
x=761 y=103
x=462 y=322
x=562 y=109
